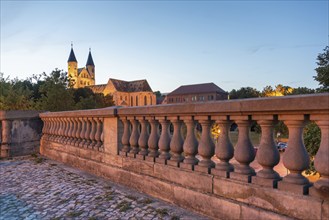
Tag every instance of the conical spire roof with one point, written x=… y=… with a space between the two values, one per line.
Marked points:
x=90 y=61
x=72 y=57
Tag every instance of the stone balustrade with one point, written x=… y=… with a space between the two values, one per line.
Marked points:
x=149 y=142
x=83 y=129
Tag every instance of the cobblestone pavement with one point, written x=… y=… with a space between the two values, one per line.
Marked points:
x=36 y=188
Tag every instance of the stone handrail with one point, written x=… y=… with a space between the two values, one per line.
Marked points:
x=133 y=135
x=294 y=111
x=82 y=128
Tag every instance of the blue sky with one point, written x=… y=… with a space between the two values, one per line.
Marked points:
x=170 y=43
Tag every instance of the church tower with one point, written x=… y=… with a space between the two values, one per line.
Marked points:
x=90 y=66
x=73 y=68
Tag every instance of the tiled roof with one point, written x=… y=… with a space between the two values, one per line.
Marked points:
x=90 y=60
x=132 y=86
x=98 y=88
x=72 y=57
x=197 y=88
x=80 y=69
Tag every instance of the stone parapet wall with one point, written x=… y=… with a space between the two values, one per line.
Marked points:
x=129 y=146
x=20 y=133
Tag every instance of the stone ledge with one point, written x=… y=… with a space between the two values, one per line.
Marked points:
x=207 y=204
x=286 y=203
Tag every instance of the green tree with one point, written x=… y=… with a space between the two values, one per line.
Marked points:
x=243 y=93
x=55 y=95
x=312 y=139
x=14 y=94
x=323 y=70
x=302 y=90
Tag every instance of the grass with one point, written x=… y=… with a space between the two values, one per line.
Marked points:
x=146 y=201
x=109 y=195
x=123 y=206
x=162 y=212
x=74 y=214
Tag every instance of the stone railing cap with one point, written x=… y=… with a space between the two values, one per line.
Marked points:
x=19 y=114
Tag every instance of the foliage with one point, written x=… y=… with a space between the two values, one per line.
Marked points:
x=48 y=92
x=302 y=90
x=279 y=90
x=54 y=93
x=323 y=70
x=243 y=93
x=14 y=97
x=157 y=94
x=312 y=139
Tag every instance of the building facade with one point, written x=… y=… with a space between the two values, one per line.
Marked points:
x=125 y=93
x=81 y=77
x=196 y=93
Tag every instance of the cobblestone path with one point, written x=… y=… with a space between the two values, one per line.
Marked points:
x=35 y=188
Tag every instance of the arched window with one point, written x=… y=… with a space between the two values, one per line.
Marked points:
x=151 y=100
x=131 y=101
x=136 y=100
x=145 y=100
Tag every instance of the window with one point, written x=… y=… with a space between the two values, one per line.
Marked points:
x=136 y=100
x=145 y=100
x=151 y=100
x=131 y=101
x=120 y=97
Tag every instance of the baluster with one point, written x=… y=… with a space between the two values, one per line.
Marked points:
x=61 y=130
x=87 y=133
x=164 y=141
x=93 y=133
x=295 y=157
x=190 y=145
x=176 y=143
x=206 y=147
x=74 y=131
x=69 y=128
x=81 y=128
x=98 y=133
x=143 y=138
x=53 y=127
x=321 y=161
x=153 y=140
x=101 y=148
x=82 y=132
x=58 y=130
x=125 y=137
x=77 y=133
x=267 y=155
x=224 y=148
x=70 y=133
x=133 y=140
x=66 y=130
x=244 y=151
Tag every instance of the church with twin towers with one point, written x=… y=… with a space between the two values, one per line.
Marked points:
x=125 y=93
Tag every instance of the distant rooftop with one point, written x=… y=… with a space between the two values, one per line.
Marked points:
x=197 y=88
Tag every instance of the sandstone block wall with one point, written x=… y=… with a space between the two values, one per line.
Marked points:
x=20 y=133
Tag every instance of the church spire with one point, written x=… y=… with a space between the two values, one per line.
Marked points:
x=90 y=61
x=72 y=55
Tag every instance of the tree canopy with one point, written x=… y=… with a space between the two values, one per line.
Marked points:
x=323 y=70
x=48 y=92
